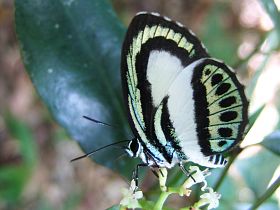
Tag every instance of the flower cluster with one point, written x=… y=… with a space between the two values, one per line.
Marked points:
x=131 y=196
x=209 y=198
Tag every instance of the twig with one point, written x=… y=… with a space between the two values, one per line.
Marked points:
x=267 y=194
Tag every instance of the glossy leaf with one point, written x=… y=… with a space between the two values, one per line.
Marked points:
x=273 y=12
x=229 y=191
x=271 y=142
x=254 y=116
x=71 y=51
x=267 y=194
x=257 y=170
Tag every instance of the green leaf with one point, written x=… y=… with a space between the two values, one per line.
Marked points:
x=14 y=177
x=273 y=40
x=71 y=51
x=115 y=207
x=229 y=191
x=272 y=10
x=22 y=133
x=12 y=182
x=226 y=45
x=257 y=170
x=266 y=195
x=254 y=116
x=254 y=80
x=271 y=142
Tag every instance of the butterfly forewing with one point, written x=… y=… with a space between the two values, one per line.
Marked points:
x=148 y=67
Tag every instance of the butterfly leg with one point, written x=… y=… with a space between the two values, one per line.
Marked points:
x=186 y=171
x=135 y=173
x=150 y=156
x=154 y=172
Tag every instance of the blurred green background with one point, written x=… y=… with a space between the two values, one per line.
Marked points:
x=35 y=152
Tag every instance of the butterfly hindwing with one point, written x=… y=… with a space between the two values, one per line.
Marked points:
x=221 y=106
x=207 y=111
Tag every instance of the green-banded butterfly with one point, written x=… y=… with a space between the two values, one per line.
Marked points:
x=182 y=104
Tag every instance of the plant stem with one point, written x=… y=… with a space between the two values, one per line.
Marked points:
x=164 y=195
x=162 y=198
x=267 y=194
x=224 y=173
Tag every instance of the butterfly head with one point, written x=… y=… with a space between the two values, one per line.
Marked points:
x=134 y=148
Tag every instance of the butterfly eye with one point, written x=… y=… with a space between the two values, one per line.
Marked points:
x=134 y=148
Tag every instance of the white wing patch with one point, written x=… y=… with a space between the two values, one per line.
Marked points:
x=182 y=113
x=162 y=69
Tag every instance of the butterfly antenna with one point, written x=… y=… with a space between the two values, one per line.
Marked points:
x=92 y=152
x=97 y=121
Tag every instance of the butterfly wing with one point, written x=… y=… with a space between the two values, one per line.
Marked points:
x=177 y=109
x=155 y=51
x=207 y=109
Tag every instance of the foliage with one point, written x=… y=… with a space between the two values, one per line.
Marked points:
x=67 y=60
x=13 y=178
x=72 y=58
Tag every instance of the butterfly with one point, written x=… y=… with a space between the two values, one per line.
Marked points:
x=182 y=104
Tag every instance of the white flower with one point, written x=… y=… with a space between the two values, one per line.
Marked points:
x=197 y=176
x=131 y=196
x=211 y=199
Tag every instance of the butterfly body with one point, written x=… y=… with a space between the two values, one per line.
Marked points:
x=183 y=105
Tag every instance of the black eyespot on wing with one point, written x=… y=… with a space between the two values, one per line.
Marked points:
x=221 y=143
x=228 y=116
x=216 y=79
x=207 y=72
x=222 y=89
x=227 y=102
x=225 y=132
